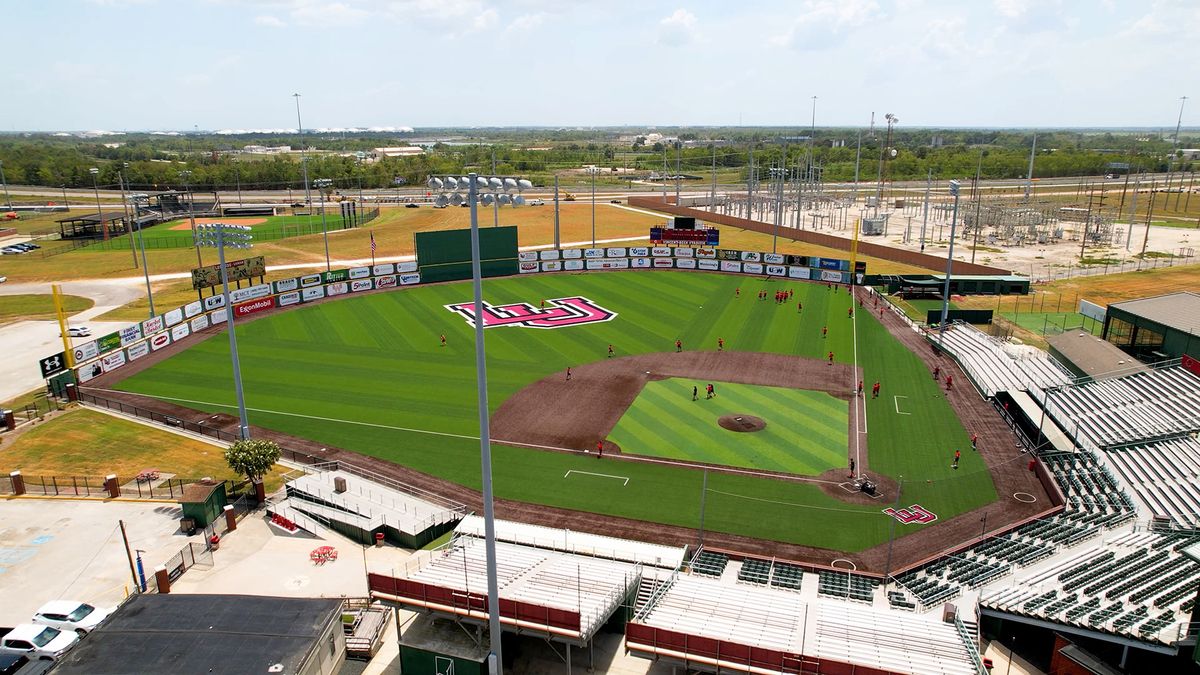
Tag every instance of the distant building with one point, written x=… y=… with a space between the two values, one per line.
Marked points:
x=400 y=151
x=267 y=149
x=1189 y=154
x=1158 y=328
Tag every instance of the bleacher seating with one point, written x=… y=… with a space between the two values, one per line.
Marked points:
x=1140 y=407
x=1164 y=476
x=710 y=563
x=755 y=571
x=847 y=585
x=994 y=368
x=787 y=576
x=899 y=600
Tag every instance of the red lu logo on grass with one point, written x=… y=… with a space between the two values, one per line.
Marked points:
x=559 y=312
x=913 y=515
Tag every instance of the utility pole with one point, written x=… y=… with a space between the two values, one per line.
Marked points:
x=1133 y=210
x=857 y=161
x=129 y=556
x=712 y=195
x=7 y=198
x=303 y=164
x=678 y=162
x=750 y=186
x=925 y=218
x=978 y=206
x=1029 y=177
x=496 y=202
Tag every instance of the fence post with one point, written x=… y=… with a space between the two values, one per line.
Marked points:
x=230 y=518
x=111 y=486
x=10 y=420
x=72 y=392
x=18 y=483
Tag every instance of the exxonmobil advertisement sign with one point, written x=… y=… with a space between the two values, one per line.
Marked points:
x=253 y=307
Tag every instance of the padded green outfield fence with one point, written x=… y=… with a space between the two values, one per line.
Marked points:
x=446 y=255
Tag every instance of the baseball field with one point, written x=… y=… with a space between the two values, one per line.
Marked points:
x=370 y=374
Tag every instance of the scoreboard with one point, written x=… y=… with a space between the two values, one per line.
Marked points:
x=670 y=235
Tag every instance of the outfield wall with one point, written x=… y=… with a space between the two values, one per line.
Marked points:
x=113 y=351
x=867 y=248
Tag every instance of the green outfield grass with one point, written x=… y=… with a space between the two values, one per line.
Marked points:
x=367 y=374
x=275 y=227
x=805 y=434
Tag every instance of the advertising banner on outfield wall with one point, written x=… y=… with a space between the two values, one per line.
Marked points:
x=253 y=307
x=610 y=264
x=89 y=372
x=728 y=254
x=731 y=266
x=386 y=281
x=572 y=253
x=199 y=323
x=776 y=270
x=527 y=267
x=159 y=341
x=708 y=264
x=249 y=293
x=552 y=254
x=214 y=302
x=173 y=317
x=310 y=280
x=52 y=365
x=572 y=265
x=310 y=294
x=218 y=316
x=383 y=269
x=361 y=285
x=192 y=309
x=774 y=258
x=552 y=266
x=152 y=326
x=406 y=267
x=833 y=264
x=292 y=298
x=664 y=262
x=131 y=334
x=109 y=342
x=752 y=268
x=179 y=332
x=137 y=351
x=799 y=272
x=593 y=253
x=751 y=256
x=661 y=251
x=86 y=352
x=706 y=253
x=639 y=251
x=285 y=285
x=339 y=288
x=359 y=272
x=335 y=276
x=798 y=261
x=686 y=263
x=409 y=279
x=685 y=253
x=835 y=277
x=113 y=361
x=615 y=253
x=527 y=256
x=640 y=263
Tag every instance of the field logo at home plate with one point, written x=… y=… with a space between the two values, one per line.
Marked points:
x=558 y=312
x=913 y=515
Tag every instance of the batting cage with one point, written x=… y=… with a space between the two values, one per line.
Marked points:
x=446 y=255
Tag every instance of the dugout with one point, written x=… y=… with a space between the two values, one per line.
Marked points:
x=437 y=645
x=446 y=255
x=960 y=284
x=102 y=224
x=1156 y=329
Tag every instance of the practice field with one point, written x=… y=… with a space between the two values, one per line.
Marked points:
x=805 y=433
x=369 y=374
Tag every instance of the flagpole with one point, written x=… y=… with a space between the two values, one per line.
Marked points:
x=372 y=249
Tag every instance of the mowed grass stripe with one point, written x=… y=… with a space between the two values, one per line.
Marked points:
x=309 y=361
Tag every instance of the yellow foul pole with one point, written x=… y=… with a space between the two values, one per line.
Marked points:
x=854 y=246
x=61 y=313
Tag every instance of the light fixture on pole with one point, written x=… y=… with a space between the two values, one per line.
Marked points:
x=954 y=188
x=486 y=191
x=220 y=236
x=323 y=185
x=99 y=214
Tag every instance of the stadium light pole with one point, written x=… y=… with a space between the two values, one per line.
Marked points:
x=218 y=236
x=323 y=184
x=7 y=198
x=99 y=213
x=593 y=206
x=303 y=163
x=187 y=176
x=954 y=188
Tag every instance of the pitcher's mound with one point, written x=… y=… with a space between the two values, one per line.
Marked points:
x=741 y=423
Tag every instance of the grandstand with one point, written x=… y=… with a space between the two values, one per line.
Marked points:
x=994 y=366
x=1163 y=476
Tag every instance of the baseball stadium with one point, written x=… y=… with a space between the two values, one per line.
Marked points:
x=747 y=461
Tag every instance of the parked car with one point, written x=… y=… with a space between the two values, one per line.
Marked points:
x=37 y=642
x=71 y=615
x=537 y=202
x=12 y=664
x=78 y=331
x=12 y=250
x=3 y=279
x=412 y=206
x=614 y=201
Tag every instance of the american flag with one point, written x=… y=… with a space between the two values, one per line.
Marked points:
x=372 y=243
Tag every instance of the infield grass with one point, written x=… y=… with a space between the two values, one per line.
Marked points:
x=805 y=430
x=367 y=373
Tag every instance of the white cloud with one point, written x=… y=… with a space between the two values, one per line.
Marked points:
x=821 y=22
x=1011 y=9
x=526 y=23
x=485 y=20
x=678 y=29
x=327 y=13
x=269 y=21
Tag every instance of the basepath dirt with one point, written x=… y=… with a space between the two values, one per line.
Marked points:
x=187 y=224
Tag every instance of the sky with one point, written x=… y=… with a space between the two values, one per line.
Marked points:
x=128 y=65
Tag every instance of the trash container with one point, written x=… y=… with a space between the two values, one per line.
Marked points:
x=187 y=526
x=378 y=539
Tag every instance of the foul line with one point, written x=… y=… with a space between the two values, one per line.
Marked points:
x=896 y=399
x=601 y=475
x=803 y=506
x=860 y=402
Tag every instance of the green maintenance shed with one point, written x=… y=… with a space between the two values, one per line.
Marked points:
x=1155 y=329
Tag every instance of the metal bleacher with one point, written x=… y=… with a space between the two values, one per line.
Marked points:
x=993 y=368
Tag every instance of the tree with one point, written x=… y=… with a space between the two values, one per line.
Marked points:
x=253 y=459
